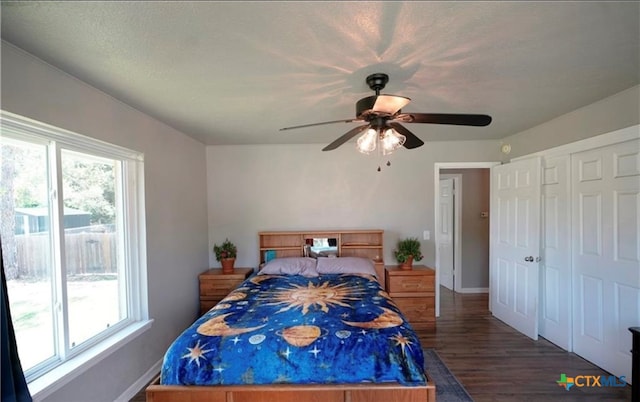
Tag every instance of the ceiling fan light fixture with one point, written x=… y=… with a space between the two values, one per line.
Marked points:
x=391 y=140
x=367 y=142
x=385 y=140
x=382 y=114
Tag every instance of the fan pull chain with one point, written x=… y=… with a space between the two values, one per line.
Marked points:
x=381 y=155
x=388 y=164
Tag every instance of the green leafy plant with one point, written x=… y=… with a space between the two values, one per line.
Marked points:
x=225 y=250
x=406 y=248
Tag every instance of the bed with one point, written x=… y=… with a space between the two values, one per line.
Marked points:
x=302 y=329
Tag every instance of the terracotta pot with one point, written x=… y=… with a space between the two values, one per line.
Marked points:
x=408 y=264
x=227 y=265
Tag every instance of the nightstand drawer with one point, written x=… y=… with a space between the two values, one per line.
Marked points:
x=219 y=287
x=215 y=285
x=416 y=308
x=413 y=291
x=414 y=283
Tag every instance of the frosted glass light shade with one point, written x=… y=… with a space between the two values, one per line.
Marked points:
x=385 y=141
x=391 y=140
x=390 y=103
x=367 y=142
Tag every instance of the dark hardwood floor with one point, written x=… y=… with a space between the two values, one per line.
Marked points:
x=494 y=362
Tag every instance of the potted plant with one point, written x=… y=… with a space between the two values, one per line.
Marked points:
x=226 y=254
x=408 y=250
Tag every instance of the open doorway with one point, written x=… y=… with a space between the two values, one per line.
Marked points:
x=462 y=227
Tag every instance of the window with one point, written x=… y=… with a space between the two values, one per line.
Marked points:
x=71 y=240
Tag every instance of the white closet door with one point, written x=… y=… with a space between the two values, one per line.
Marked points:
x=555 y=267
x=606 y=254
x=515 y=244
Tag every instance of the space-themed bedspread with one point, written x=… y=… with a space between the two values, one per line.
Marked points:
x=298 y=330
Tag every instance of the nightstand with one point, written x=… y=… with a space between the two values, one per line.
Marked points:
x=413 y=290
x=215 y=286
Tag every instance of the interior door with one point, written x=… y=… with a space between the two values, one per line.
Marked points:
x=515 y=244
x=445 y=228
x=606 y=254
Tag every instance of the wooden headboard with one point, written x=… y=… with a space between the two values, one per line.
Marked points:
x=350 y=243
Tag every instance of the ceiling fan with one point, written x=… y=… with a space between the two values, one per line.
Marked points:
x=383 y=116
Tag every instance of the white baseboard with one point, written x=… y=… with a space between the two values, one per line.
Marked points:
x=473 y=290
x=140 y=383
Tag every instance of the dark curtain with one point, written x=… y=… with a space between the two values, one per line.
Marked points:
x=14 y=386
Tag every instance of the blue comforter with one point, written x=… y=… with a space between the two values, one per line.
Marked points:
x=298 y=330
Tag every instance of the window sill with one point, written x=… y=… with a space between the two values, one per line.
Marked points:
x=47 y=384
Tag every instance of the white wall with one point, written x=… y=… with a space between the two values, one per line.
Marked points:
x=175 y=179
x=609 y=114
x=289 y=187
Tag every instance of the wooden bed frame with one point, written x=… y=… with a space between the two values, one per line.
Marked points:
x=370 y=392
x=388 y=392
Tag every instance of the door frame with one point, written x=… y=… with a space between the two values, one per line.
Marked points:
x=436 y=201
x=457 y=210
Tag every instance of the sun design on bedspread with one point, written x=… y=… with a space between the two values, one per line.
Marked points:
x=196 y=353
x=402 y=341
x=322 y=295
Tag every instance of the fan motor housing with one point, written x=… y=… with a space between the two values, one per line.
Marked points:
x=377 y=81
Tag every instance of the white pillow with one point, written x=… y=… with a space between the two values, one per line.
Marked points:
x=345 y=265
x=304 y=266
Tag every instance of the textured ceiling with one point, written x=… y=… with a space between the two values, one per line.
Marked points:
x=236 y=72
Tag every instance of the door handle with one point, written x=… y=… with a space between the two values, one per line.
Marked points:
x=528 y=259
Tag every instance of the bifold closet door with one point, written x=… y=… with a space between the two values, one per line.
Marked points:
x=555 y=267
x=606 y=253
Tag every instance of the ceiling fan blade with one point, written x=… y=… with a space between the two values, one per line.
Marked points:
x=319 y=124
x=390 y=103
x=411 y=140
x=346 y=137
x=445 y=118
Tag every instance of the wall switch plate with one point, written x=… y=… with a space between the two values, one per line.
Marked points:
x=426 y=235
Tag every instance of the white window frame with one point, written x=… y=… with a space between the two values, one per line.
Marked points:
x=47 y=377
